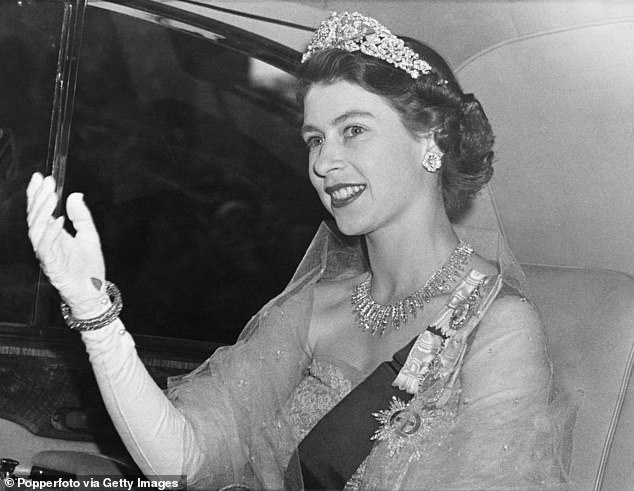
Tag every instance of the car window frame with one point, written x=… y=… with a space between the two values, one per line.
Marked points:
x=231 y=37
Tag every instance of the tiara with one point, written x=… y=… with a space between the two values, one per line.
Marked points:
x=356 y=32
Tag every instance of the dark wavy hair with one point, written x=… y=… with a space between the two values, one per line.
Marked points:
x=433 y=102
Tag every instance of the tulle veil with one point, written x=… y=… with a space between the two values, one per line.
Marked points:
x=236 y=399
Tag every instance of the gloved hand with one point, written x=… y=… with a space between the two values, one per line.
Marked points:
x=74 y=265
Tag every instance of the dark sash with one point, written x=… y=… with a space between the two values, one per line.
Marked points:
x=336 y=446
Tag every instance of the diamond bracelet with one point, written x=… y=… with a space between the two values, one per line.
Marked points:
x=96 y=322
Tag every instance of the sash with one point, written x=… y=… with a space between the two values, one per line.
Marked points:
x=337 y=445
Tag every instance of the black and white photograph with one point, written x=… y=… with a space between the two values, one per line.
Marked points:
x=317 y=245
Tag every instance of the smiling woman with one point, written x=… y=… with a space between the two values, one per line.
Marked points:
x=436 y=110
x=358 y=158
x=400 y=357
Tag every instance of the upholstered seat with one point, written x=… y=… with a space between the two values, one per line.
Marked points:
x=589 y=319
x=552 y=117
x=588 y=315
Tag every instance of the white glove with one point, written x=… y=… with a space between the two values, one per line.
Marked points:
x=74 y=265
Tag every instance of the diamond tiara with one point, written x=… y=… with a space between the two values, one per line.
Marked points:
x=355 y=32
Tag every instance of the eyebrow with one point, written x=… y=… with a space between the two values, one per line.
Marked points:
x=338 y=120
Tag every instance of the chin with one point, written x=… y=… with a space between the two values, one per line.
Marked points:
x=350 y=227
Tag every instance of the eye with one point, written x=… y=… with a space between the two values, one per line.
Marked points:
x=313 y=141
x=353 y=130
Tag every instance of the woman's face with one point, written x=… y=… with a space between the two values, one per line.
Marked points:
x=364 y=164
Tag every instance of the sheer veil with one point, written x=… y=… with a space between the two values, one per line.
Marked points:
x=236 y=399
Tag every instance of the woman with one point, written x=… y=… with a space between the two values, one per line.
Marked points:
x=444 y=384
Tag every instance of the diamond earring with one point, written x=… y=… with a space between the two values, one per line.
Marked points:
x=432 y=162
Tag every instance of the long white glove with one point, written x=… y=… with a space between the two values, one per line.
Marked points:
x=158 y=437
x=74 y=265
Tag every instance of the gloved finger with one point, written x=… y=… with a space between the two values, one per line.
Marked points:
x=80 y=215
x=37 y=231
x=41 y=218
x=39 y=190
x=49 y=244
x=44 y=201
x=34 y=184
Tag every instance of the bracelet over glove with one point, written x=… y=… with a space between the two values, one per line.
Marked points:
x=96 y=322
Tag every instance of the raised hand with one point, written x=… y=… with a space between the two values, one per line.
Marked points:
x=73 y=264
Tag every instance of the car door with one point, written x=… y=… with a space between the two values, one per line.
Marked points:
x=181 y=131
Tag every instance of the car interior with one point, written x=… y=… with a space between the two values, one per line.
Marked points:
x=182 y=130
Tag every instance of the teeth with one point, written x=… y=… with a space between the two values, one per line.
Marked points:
x=347 y=192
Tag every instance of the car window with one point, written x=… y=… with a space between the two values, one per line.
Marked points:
x=29 y=43
x=189 y=157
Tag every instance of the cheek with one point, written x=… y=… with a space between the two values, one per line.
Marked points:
x=318 y=187
x=314 y=179
x=395 y=181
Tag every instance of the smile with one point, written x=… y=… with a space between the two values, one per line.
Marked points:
x=344 y=194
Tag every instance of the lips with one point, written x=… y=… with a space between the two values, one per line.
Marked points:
x=343 y=194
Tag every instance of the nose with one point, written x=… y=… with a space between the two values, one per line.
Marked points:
x=329 y=158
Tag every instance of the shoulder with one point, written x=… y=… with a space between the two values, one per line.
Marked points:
x=508 y=351
x=331 y=311
x=511 y=311
x=510 y=333
x=510 y=308
x=330 y=295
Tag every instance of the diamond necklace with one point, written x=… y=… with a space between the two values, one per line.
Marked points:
x=374 y=317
